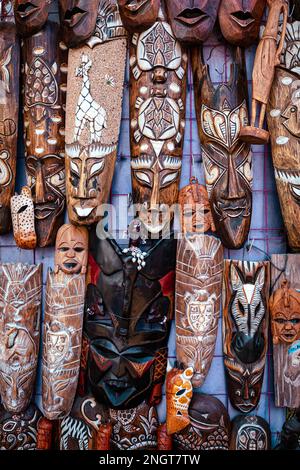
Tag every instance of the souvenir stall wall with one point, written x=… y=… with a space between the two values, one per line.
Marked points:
x=236 y=361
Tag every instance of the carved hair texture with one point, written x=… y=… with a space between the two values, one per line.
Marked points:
x=22 y=213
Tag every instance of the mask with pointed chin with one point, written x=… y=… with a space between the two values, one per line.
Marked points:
x=31 y=16
x=138 y=15
x=78 y=20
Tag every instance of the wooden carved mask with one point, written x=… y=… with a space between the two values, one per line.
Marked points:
x=285 y=314
x=179 y=392
x=138 y=15
x=195 y=208
x=71 y=249
x=192 y=21
x=78 y=20
x=20 y=304
x=31 y=16
x=157 y=116
x=19 y=431
x=245 y=330
x=240 y=20
x=250 y=433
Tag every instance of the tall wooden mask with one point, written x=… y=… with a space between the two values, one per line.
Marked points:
x=157 y=120
x=283 y=114
x=78 y=19
x=250 y=433
x=94 y=105
x=9 y=107
x=20 y=304
x=221 y=112
x=285 y=322
x=192 y=21
x=240 y=20
x=127 y=320
x=45 y=76
x=31 y=16
x=138 y=15
x=245 y=330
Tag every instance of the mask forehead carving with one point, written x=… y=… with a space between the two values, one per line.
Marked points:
x=138 y=15
x=250 y=433
x=245 y=330
x=192 y=20
x=78 y=20
x=31 y=16
x=20 y=299
x=71 y=249
x=240 y=20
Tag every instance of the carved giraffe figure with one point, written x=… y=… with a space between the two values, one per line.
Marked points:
x=88 y=111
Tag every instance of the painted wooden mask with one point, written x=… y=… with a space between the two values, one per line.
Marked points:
x=71 y=249
x=78 y=20
x=240 y=20
x=127 y=315
x=31 y=16
x=250 y=433
x=138 y=15
x=20 y=304
x=157 y=120
x=245 y=330
x=221 y=112
x=285 y=314
x=209 y=428
x=179 y=392
x=22 y=214
x=192 y=21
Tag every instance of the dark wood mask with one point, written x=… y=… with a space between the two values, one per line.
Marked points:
x=20 y=299
x=245 y=330
x=250 y=433
x=138 y=15
x=192 y=21
x=266 y=59
x=31 y=16
x=240 y=20
x=94 y=108
x=209 y=428
x=283 y=113
x=157 y=88
x=127 y=318
x=290 y=434
x=45 y=76
x=221 y=112
x=78 y=20
x=9 y=108
x=285 y=321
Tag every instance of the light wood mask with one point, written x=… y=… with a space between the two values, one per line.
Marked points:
x=22 y=213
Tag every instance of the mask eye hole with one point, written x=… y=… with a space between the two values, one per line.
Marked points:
x=63 y=249
x=79 y=249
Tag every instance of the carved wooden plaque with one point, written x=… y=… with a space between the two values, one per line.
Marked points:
x=199 y=271
x=63 y=321
x=22 y=214
x=283 y=120
x=221 y=112
x=94 y=105
x=285 y=322
x=20 y=300
x=19 y=431
x=179 y=392
x=45 y=85
x=9 y=108
x=250 y=433
x=158 y=69
x=245 y=330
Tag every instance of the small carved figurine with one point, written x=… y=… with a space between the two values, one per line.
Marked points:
x=78 y=20
x=266 y=59
x=250 y=433
x=31 y=16
x=179 y=392
x=138 y=15
x=22 y=214
x=71 y=250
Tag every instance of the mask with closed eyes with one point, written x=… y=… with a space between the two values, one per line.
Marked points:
x=78 y=20
x=192 y=21
x=31 y=16
x=138 y=15
x=245 y=330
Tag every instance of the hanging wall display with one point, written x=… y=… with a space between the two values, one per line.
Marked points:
x=245 y=330
x=44 y=94
x=22 y=214
x=94 y=105
x=31 y=16
x=20 y=297
x=221 y=113
x=77 y=19
x=138 y=15
x=158 y=66
x=285 y=322
x=282 y=113
x=9 y=109
x=64 y=306
x=250 y=433
x=199 y=268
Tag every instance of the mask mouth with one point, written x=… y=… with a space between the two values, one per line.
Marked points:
x=289 y=337
x=245 y=407
x=134 y=5
x=118 y=385
x=74 y=16
x=26 y=9
x=232 y=210
x=242 y=18
x=192 y=16
x=42 y=211
x=70 y=265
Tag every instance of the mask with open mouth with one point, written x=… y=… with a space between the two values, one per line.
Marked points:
x=245 y=330
x=138 y=15
x=192 y=21
x=71 y=249
x=31 y=16
x=221 y=112
x=250 y=433
x=78 y=20
x=240 y=20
